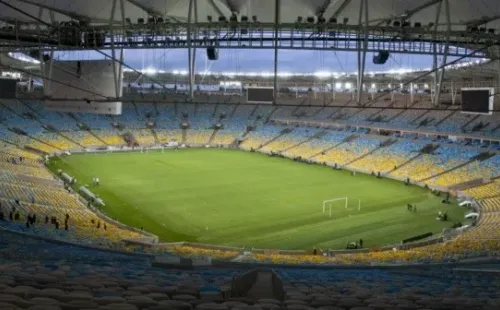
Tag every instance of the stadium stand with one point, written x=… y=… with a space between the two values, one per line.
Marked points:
x=485 y=191
x=315 y=146
x=389 y=158
x=349 y=151
x=256 y=139
x=37 y=273
x=429 y=165
x=451 y=163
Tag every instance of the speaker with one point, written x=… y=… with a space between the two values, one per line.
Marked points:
x=212 y=53
x=381 y=57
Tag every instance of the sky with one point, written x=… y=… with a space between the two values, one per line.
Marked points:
x=256 y=60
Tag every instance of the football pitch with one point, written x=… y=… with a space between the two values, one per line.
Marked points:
x=236 y=198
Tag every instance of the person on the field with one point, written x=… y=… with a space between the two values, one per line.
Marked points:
x=360 y=242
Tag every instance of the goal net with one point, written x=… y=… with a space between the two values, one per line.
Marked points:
x=343 y=201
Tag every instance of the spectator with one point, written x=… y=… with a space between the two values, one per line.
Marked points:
x=11 y=216
x=33 y=218
x=17 y=216
x=46 y=219
x=1 y=215
x=57 y=224
x=98 y=224
x=105 y=227
x=28 y=222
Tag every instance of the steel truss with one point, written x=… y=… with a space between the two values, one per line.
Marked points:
x=326 y=36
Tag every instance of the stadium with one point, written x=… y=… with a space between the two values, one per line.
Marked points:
x=249 y=154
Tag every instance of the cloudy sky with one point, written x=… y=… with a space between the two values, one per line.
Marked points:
x=257 y=60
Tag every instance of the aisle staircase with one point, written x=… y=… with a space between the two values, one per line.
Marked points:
x=384 y=144
x=155 y=136
x=282 y=133
x=348 y=139
x=97 y=137
x=445 y=118
x=472 y=120
x=406 y=163
x=318 y=136
x=480 y=157
x=184 y=136
x=212 y=136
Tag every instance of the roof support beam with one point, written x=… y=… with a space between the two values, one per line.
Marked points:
x=439 y=85
x=341 y=8
x=322 y=9
x=190 y=49
x=409 y=13
x=482 y=21
x=24 y=13
x=69 y=14
x=216 y=7
x=149 y=10
x=435 y=55
x=277 y=6
x=231 y=6
x=363 y=33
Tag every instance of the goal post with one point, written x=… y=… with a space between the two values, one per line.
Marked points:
x=327 y=204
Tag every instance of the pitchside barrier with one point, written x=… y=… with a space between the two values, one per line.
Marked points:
x=153 y=238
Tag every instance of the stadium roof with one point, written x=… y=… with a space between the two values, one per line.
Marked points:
x=479 y=13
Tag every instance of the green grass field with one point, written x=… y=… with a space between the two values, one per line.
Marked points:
x=231 y=197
